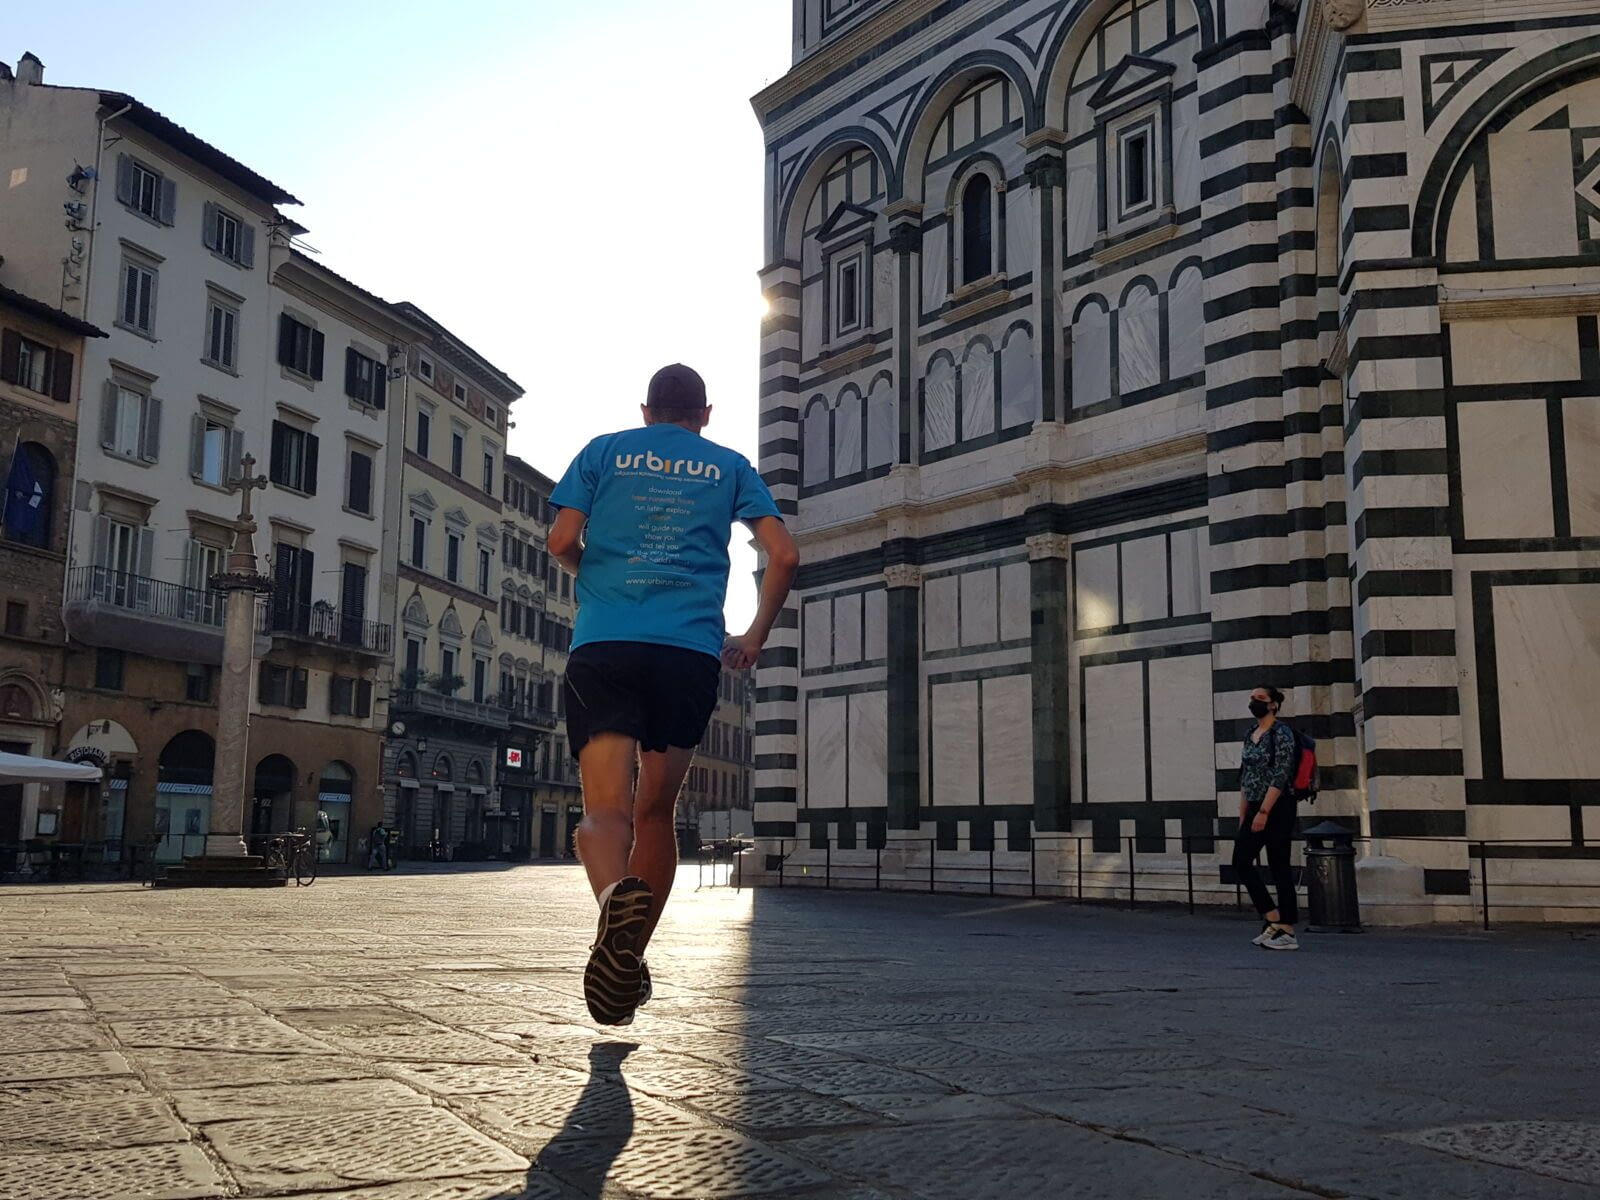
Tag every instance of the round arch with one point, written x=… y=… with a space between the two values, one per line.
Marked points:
x=189 y=757
x=945 y=89
x=808 y=177
x=1069 y=42
x=21 y=698
x=1329 y=208
x=1566 y=65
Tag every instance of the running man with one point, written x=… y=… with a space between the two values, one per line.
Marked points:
x=644 y=524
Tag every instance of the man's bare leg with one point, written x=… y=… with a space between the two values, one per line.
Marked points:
x=655 y=840
x=605 y=836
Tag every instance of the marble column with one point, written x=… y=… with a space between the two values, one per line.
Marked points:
x=1048 y=556
x=904 y=582
x=241 y=583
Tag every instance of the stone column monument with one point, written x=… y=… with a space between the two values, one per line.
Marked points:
x=240 y=583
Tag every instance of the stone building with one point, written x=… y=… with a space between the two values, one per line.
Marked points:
x=41 y=356
x=447 y=726
x=1127 y=354
x=226 y=346
x=529 y=689
x=720 y=779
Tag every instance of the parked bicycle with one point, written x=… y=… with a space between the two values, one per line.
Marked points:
x=293 y=853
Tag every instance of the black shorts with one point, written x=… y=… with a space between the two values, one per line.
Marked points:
x=658 y=695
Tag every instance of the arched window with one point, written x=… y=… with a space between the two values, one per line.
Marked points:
x=17 y=703
x=1186 y=323
x=1139 y=340
x=847 y=433
x=1019 y=383
x=187 y=758
x=1091 y=353
x=977 y=391
x=443 y=768
x=408 y=766
x=977 y=229
x=30 y=489
x=883 y=425
x=939 y=403
x=814 y=443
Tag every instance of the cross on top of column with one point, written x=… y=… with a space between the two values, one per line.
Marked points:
x=247 y=484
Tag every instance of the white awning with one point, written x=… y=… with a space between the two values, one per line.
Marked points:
x=24 y=768
x=184 y=789
x=333 y=797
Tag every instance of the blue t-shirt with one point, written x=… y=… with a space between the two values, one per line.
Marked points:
x=661 y=501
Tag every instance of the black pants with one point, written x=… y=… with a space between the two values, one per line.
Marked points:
x=1278 y=839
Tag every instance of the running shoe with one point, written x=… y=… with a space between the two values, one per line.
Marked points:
x=1281 y=939
x=1266 y=931
x=613 y=979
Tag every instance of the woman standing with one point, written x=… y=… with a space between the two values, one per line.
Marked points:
x=1267 y=819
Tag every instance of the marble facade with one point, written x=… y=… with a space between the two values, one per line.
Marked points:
x=1125 y=355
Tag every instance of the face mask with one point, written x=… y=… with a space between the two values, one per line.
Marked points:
x=1259 y=709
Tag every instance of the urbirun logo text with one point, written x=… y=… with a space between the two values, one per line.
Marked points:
x=668 y=466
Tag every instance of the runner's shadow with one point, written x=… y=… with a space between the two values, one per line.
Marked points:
x=597 y=1129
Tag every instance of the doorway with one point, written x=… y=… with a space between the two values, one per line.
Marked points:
x=547 y=833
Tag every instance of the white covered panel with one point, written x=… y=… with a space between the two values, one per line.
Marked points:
x=1139 y=342
x=1186 y=324
x=1022 y=228
x=979 y=608
x=935 y=268
x=1097 y=592
x=940 y=609
x=1144 y=579
x=1091 y=357
x=1008 y=740
x=847 y=434
x=1547 y=657
x=1019 y=381
x=869 y=740
x=1082 y=218
x=825 y=751
x=1016 y=602
x=876 y=622
x=1113 y=723
x=939 y=405
x=1188 y=588
x=1505 y=469
x=818 y=631
x=1582 y=416
x=814 y=443
x=977 y=392
x=1182 y=739
x=883 y=424
x=847 y=629
x=955 y=743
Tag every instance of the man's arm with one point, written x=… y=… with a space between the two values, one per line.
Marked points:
x=783 y=559
x=566 y=538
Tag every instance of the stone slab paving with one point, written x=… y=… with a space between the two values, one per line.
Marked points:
x=421 y=1036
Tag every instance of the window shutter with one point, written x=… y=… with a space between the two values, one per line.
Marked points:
x=363 y=697
x=108 y=417
x=151 y=450
x=247 y=244
x=337 y=705
x=208 y=231
x=309 y=483
x=360 y=482
x=124 y=179
x=317 y=341
x=102 y=541
x=285 y=339
x=307 y=565
x=193 y=564
x=61 y=377
x=197 y=446
x=351 y=363
x=147 y=552
x=275 y=465
x=297 y=696
x=380 y=385
x=10 y=355
x=235 y=464
x=264 y=684
x=169 y=201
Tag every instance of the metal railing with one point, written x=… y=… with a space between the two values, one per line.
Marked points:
x=523 y=713
x=145 y=597
x=321 y=622
x=1131 y=876
x=437 y=704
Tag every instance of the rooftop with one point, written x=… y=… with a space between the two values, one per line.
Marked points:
x=44 y=312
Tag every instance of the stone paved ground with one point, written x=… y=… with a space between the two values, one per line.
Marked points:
x=422 y=1037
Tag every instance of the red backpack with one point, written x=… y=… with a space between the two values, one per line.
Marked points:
x=1305 y=781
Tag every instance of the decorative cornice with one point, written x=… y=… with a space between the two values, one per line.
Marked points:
x=961 y=308
x=1512 y=303
x=1042 y=546
x=1127 y=246
x=902 y=575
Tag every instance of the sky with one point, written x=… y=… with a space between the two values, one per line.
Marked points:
x=573 y=188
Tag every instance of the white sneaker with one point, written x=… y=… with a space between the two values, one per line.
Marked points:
x=1281 y=939
x=1260 y=939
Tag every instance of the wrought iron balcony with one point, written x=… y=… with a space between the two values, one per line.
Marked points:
x=524 y=713
x=120 y=610
x=322 y=623
x=423 y=702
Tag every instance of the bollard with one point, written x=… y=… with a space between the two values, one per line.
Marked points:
x=1331 y=879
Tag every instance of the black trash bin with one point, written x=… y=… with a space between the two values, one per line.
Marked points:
x=1331 y=879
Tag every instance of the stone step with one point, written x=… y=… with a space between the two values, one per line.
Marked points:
x=217 y=877
x=236 y=862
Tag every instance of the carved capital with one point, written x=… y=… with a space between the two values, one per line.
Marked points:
x=1342 y=14
x=905 y=238
x=1045 y=171
x=902 y=575
x=1048 y=545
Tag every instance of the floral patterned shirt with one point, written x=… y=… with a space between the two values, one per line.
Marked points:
x=1260 y=769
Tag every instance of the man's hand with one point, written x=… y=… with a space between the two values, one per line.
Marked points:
x=1260 y=823
x=741 y=653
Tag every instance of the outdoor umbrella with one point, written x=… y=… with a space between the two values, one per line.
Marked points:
x=23 y=768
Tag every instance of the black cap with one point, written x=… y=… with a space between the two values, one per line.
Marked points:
x=677 y=388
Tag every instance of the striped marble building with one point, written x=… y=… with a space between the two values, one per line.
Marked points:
x=1124 y=355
